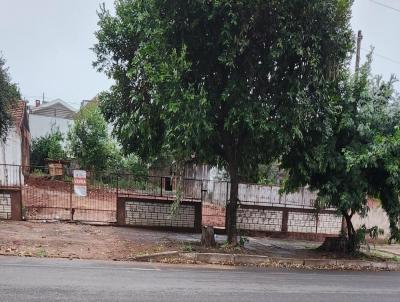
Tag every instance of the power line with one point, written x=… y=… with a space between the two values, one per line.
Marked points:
x=385 y=5
x=382 y=56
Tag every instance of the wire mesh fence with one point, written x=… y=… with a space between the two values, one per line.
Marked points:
x=48 y=194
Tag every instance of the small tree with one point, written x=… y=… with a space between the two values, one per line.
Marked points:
x=232 y=82
x=379 y=158
x=353 y=160
x=46 y=147
x=9 y=93
x=89 y=141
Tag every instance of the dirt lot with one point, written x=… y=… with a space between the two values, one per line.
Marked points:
x=80 y=241
x=71 y=240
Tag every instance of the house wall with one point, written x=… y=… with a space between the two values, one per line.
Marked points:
x=10 y=159
x=41 y=125
x=376 y=217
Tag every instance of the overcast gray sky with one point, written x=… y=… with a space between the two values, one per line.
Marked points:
x=47 y=44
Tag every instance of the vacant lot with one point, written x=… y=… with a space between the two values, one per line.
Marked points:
x=80 y=241
x=71 y=240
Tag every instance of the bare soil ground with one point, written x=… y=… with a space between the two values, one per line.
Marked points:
x=72 y=240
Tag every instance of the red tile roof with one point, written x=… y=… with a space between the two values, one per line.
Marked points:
x=17 y=112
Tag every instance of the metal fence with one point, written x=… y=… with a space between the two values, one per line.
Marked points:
x=166 y=187
x=48 y=196
x=11 y=176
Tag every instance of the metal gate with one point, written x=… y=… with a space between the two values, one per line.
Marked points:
x=47 y=197
x=215 y=194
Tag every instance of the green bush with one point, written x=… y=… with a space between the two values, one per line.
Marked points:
x=47 y=147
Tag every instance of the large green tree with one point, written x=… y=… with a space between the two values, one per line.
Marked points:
x=9 y=93
x=358 y=157
x=232 y=82
x=88 y=139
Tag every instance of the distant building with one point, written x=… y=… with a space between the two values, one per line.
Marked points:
x=14 y=151
x=54 y=114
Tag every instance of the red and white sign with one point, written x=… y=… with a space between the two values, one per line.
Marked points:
x=80 y=188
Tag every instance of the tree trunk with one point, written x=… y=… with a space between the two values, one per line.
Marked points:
x=351 y=233
x=232 y=207
x=207 y=236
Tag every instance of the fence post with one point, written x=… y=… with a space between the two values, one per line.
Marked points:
x=227 y=193
x=201 y=204
x=70 y=199
x=285 y=219
x=20 y=192
x=117 y=185
x=20 y=178
x=161 y=184
x=201 y=192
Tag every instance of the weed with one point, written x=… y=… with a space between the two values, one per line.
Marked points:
x=243 y=240
x=187 y=247
x=41 y=253
x=225 y=245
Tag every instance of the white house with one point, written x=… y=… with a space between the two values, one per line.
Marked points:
x=43 y=117
x=14 y=150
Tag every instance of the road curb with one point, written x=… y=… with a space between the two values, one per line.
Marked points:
x=257 y=260
x=155 y=256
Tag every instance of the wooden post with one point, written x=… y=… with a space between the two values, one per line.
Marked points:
x=359 y=39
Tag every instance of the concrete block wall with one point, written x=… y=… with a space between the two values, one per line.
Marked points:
x=142 y=213
x=328 y=223
x=259 y=219
x=301 y=222
x=292 y=220
x=5 y=206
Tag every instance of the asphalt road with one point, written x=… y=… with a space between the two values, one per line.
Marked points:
x=28 y=279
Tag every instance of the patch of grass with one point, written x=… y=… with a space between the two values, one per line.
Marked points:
x=187 y=247
x=396 y=258
x=41 y=253
x=310 y=247
x=225 y=245
x=382 y=256
x=243 y=240
x=38 y=173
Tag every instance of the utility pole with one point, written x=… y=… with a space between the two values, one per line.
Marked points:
x=359 y=39
x=43 y=98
